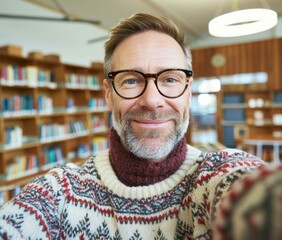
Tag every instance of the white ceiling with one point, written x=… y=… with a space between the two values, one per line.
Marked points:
x=70 y=40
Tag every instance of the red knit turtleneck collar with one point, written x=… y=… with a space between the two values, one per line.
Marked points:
x=134 y=171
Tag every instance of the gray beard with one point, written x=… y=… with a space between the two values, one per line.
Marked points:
x=142 y=148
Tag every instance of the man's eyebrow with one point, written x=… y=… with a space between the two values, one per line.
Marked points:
x=159 y=69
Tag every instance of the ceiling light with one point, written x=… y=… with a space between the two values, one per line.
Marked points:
x=243 y=22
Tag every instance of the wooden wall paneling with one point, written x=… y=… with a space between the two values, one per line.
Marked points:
x=267 y=60
x=250 y=57
x=196 y=62
x=236 y=58
x=201 y=64
x=256 y=56
x=229 y=58
x=211 y=53
x=261 y=55
x=224 y=68
x=276 y=65
x=244 y=58
x=232 y=58
x=280 y=63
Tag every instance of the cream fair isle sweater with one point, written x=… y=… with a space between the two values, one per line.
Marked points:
x=89 y=202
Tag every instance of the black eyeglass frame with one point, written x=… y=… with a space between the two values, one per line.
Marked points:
x=188 y=73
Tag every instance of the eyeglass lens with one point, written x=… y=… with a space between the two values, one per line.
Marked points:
x=130 y=84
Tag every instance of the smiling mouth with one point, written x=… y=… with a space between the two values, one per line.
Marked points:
x=152 y=123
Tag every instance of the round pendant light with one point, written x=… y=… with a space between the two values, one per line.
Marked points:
x=243 y=22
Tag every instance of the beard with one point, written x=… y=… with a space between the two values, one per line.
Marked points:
x=151 y=144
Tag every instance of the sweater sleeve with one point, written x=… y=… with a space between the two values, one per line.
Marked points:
x=252 y=208
x=216 y=173
x=35 y=212
x=229 y=166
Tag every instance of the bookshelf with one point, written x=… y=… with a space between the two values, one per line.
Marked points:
x=252 y=120
x=50 y=113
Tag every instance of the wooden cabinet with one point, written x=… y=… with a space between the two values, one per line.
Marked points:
x=50 y=113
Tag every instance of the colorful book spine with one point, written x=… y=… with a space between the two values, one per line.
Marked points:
x=22 y=165
x=14 y=136
x=45 y=104
x=18 y=104
x=30 y=76
x=97 y=104
x=98 y=124
x=99 y=144
x=52 y=156
x=82 y=81
x=51 y=132
x=55 y=131
x=77 y=128
x=83 y=151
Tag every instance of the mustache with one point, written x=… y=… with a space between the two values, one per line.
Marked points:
x=141 y=114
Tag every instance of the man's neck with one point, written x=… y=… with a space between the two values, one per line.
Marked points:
x=134 y=171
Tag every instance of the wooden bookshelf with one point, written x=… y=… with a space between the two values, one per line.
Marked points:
x=50 y=113
x=257 y=116
x=259 y=112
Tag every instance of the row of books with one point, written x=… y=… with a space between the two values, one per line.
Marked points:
x=24 y=164
x=17 y=103
x=238 y=99
x=98 y=144
x=14 y=136
x=82 y=81
x=25 y=76
x=97 y=103
x=83 y=151
x=24 y=104
x=55 y=131
x=98 y=124
x=50 y=132
x=52 y=155
x=4 y=196
x=45 y=104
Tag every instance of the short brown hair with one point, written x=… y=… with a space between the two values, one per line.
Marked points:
x=141 y=22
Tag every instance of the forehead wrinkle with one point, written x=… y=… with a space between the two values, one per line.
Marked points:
x=141 y=53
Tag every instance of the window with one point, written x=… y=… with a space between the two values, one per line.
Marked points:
x=203 y=111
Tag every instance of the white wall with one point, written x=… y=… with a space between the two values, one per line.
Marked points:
x=69 y=40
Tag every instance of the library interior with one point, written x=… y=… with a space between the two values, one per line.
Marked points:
x=52 y=106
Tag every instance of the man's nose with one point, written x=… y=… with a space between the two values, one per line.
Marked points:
x=151 y=98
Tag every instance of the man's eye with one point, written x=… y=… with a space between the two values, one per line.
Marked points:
x=170 y=80
x=130 y=81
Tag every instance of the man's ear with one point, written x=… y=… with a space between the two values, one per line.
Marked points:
x=190 y=83
x=190 y=91
x=108 y=94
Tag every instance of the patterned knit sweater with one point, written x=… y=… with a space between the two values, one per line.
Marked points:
x=90 y=202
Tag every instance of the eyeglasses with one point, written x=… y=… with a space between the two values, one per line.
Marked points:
x=130 y=84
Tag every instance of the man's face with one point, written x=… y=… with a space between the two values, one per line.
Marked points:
x=150 y=125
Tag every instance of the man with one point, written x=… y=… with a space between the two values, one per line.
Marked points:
x=150 y=184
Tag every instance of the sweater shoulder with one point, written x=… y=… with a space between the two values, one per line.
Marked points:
x=225 y=166
x=87 y=168
x=230 y=156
